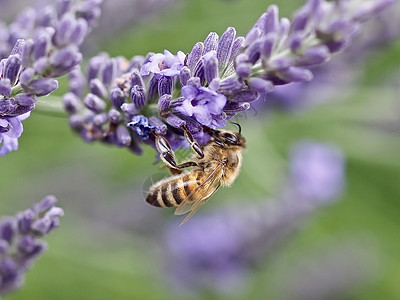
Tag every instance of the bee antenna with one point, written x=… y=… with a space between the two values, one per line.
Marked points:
x=238 y=125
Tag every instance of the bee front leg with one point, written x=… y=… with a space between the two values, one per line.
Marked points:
x=193 y=144
x=168 y=157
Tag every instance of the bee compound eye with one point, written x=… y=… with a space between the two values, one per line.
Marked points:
x=231 y=138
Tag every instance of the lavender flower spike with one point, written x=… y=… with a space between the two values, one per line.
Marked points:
x=44 y=47
x=20 y=243
x=279 y=50
x=220 y=76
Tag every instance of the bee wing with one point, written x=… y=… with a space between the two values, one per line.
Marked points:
x=203 y=192
x=198 y=204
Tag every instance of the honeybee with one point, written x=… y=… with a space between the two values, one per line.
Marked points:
x=215 y=164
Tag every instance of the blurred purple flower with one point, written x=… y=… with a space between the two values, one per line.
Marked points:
x=316 y=172
x=217 y=252
x=20 y=243
x=209 y=251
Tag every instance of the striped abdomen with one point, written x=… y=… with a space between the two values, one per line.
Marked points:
x=173 y=190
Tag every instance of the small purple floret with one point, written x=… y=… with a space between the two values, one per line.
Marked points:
x=165 y=64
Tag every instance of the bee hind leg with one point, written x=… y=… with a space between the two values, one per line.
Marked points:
x=168 y=157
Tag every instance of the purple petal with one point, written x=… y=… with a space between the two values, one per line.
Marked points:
x=165 y=85
x=215 y=84
x=16 y=126
x=296 y=74
x=129 y=108
x=202 y=115
x=94 y=66
x=225 y=47
x=199 y=70
x=296 y=41
x=136 y=79
x=280 y=64
x=189 y=92
x=152 y=91
x=41 y=46
x=65 y=59
x=369 y=9
x=117 y=97
x=45 y=204
x=5 y=87
x=235 y=107
x=163 y=102
x=72 y=103
x=300 y=19
x=114 y=116
x=94 y=103
x=100 y=119
x=217 y=104
x=40 y=65
x=268 y=44
x=159 y=126
x=210 y=43
x=271 y=22
x=123 y=136
x=41 y=86
x=26 y=76
x=25 y=99
x=231 y=84
x=8 y=229
x=64 y=30
x=79 y=33
x=253 y=35
x=109 y=71
x=195 y=55
x=260 y=85
x=27 y=244
x=26 y=53
x=18 y=48
x=12 y=67
x=254 y=52
x=236 y=46
x=244 y=96
x=243 y=70
x=184 y=75
x=97 y=88
x=211 y=66
x=137 y=96
x=41 y=226
x=315 y=55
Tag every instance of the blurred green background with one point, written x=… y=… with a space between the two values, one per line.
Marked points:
x=104 y=249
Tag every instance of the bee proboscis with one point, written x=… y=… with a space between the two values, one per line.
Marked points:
x=216 y=164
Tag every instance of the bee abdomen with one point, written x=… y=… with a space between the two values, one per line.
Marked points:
x=173 y=192
x=160 y=196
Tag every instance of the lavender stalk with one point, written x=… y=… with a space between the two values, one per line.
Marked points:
x=220 y=77
x=21 y=243
x=46 y=48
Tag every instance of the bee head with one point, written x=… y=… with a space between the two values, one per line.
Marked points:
x=227 y=138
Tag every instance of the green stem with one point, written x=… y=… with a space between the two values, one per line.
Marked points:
x=50 y=106
x=16 y=90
